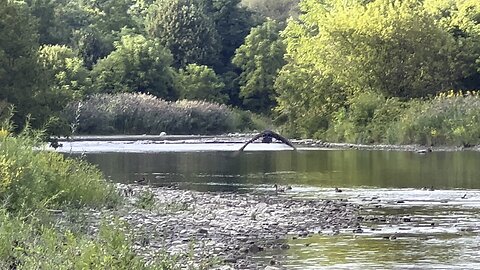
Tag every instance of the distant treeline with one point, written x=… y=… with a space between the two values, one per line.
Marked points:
x=331 y=69
x=53 y=52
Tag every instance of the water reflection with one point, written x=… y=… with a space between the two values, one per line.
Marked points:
x=343 y=168
x=434 y=229
x=347 y=252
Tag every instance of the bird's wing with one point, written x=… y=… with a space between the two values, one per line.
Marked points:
x=251 y=140
x=282 y=139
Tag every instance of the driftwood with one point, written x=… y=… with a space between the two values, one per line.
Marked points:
x=267 y=137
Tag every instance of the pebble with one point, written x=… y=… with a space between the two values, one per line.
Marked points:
x=220 y=224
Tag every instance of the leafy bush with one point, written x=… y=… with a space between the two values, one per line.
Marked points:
x=146 y=200
x=27 y=245
x=197 y=82
x=128 y=113
x=449 y=118
x=32 y=179
x=355 y=123
x=32 y=238
x=384 y=118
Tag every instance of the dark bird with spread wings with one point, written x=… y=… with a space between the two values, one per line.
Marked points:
x=267 y=137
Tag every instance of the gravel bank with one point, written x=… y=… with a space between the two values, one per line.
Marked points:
x=228 y=227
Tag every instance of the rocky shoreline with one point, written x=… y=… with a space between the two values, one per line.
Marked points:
x=227 y=228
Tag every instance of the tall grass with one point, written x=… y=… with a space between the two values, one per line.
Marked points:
x=31 y=237
x=450 y=118
x=30 y=245
x=31 y=179
x=135 y=113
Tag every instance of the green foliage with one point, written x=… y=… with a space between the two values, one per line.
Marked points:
x=449 y=118
x=260 y=58
x=200 y=83
x=368 y=118
x=361 y=49
x=307 y=99
x=44 y=11
x=90 y=26
x=378 y=46
x=461 y=18
x=146 y=200
x=90 y=45
x=248 y=121
x=31 y=245
x=137 y=65
x=386 y=115
x=186 y=30
x=19 y=72
x=111 y=17
x=64 y=78
x=66 y=70
x=233 y=23
x=279 y=10
x=145 y=114
x=33 y=179
x=353 y=125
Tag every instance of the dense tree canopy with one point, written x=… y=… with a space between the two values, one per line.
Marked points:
x=66 y=76
x=200 y=83
x=371 y=46
x=186 y=30
x=461 y=18
x=232 y=23
x=136 y=65
x=326 y=67
x=279 y=10
x=393 y=48
x=260 y=58
x=19 y=71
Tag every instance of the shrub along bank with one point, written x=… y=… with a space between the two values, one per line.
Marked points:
x=129 y=113
x=449 y=118
x=32 y=182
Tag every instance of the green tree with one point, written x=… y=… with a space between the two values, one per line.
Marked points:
x=388 y=47
x=393 y=47
x=19 y=72
x=233 y=23
x=200 y=83
x=279 y=10
x=136 y=65
x=111 y=16
x=461 y=18
x=91 y=45
x=90 y=26
x=109 y=21
x=44 y=11
x=306 y=100
x=68 y=76
x=260 y=58
x=184 y=27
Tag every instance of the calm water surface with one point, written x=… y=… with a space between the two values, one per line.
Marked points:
x=444 y=231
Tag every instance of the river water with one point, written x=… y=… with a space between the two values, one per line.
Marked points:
x=429 y=204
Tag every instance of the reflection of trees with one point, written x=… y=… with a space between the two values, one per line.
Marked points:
x=315 y=168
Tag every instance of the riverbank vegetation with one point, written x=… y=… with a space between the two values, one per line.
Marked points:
x=129 y=113
x=383 y=71
x=354 y=71
x=39 y=190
